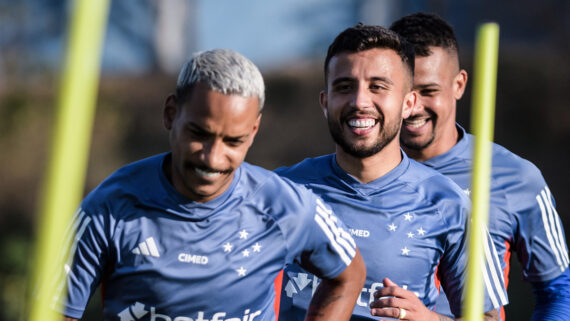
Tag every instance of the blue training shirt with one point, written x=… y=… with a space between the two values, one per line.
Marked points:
x=522 y=215
x=161 y=256
x=409 y=226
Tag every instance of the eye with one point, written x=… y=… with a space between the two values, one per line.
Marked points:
x=342 y=87
x=428 y=92
x=196 y=133
x=376 y=87
x=234 y=142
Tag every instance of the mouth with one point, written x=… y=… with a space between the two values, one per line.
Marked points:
x=416 y=123
x=361 y=126
x=207 y=173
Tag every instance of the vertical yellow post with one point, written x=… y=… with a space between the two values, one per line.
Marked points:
x=64 y=184
x=482 y=126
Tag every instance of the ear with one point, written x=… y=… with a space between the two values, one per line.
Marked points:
x=323 y=103
x=256 y=126
x=459 y=84
x=170 y=111
x=410 y=101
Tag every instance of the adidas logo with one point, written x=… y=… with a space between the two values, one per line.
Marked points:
x=148 y=247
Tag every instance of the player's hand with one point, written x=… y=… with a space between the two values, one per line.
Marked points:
x=390 y=299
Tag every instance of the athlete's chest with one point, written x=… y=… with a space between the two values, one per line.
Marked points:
x=399 y=236
x=223 y=253
x=501 y=224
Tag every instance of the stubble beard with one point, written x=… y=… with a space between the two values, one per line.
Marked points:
x=416 y=144
x=386 y=135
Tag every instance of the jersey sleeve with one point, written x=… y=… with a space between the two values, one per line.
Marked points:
x=85 y=265
x=552 y=298
x=539 y=235
x=452 y=268
x=316 y=239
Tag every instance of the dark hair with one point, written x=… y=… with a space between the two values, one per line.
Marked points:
x=426 y=30
x=364 y=37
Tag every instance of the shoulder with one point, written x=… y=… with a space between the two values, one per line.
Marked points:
x=308 y=170
x=432 y=184
x=128 y=181
x=519 y=180
x=438 y=192
x=277 y=192
x=507 y=163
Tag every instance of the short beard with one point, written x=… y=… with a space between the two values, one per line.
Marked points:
x=417 y=146
x=387 y=135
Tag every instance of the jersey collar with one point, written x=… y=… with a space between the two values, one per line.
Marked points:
x=181 y=205
x=377 y=184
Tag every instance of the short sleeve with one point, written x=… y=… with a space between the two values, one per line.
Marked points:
x=316 y=238
x=452 y=270
x=88 y=256
x=539 y=240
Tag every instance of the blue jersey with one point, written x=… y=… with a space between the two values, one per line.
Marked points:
x=160 y=256
x=522 y=215
x=409 y=226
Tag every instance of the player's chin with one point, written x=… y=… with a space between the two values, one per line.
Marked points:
x=209 y=186
x=206 y=192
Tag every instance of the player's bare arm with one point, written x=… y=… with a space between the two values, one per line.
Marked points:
x=69 y=319
x=335 y=298
x=395 y=302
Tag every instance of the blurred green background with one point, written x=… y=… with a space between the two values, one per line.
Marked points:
x=288 y=41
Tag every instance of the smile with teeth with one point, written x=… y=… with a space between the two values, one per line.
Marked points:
x=416 y=123
x=361 y=123
x=206 y=173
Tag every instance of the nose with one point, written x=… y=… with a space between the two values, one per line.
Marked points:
x=418 y=106
x=213 y=154
x=361 y=98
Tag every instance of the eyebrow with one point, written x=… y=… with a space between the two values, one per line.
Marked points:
x=350 y=79
x=423 y=86
x=202 y=130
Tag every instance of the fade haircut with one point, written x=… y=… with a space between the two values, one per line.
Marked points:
x=426 y=30
x=365 y=37
x=224 y=71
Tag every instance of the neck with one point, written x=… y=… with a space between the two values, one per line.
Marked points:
x=370 y=168
x=439 y=146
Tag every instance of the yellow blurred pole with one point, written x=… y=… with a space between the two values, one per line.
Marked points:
x=63 y=188
x=482 y=126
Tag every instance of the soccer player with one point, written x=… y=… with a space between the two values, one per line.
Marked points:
x=197 y=233
x=523 y=216
x=408 y=220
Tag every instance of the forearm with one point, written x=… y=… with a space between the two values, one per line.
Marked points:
x=330 y=303
x=335 y=298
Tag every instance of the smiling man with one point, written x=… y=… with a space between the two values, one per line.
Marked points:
x=522 y=215
x=196 y=233
x=408 y=220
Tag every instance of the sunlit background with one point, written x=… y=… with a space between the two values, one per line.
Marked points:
x=147 y=41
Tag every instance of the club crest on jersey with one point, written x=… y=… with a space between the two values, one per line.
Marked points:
x=235 y=248
x=405 y=228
